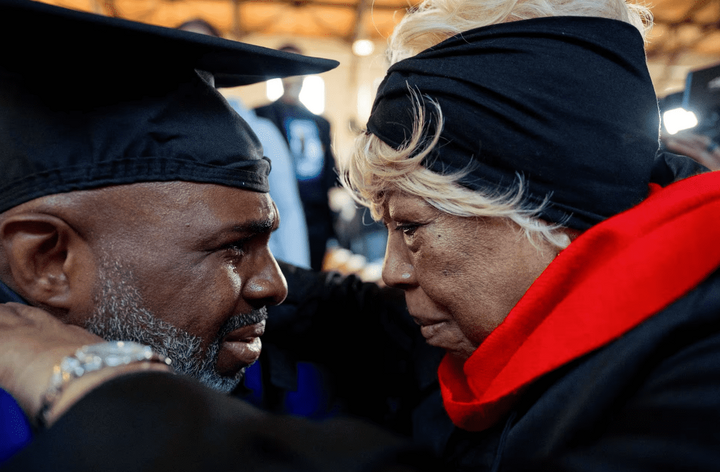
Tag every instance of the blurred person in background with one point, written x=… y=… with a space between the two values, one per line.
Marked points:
x=310 y=141
x=691 y=118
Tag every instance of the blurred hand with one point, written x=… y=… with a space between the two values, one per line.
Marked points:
x=32 y=342
x=696 y=146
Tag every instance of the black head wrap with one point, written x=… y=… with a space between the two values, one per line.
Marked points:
x=89 y=101
x=566 y=102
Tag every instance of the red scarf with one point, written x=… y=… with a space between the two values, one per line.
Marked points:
x=609 y=280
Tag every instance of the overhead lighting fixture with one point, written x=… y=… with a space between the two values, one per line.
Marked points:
x=679 y=119
x=363 y=47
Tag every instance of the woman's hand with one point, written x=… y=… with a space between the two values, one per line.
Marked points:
x=32 y=342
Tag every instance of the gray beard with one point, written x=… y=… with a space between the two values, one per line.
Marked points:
x=120 y=316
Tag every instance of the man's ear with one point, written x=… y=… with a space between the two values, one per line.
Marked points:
x=46 y=258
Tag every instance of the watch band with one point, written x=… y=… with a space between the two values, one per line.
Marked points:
x=92 y=358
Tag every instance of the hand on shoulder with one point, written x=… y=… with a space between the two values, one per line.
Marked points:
x=32 y=343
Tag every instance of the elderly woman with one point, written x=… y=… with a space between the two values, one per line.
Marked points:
x=542 y=243
x=511 y=152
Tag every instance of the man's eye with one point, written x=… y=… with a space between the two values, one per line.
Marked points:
x=237 y=248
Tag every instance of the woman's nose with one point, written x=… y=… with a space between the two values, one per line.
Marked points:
x=397 y=271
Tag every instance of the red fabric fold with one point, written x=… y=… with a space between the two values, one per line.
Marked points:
x=610 y=279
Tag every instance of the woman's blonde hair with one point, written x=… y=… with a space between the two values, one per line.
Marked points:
x=375 y=169
x=434 y=21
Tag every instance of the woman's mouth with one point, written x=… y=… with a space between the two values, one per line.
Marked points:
x=433 y=331
x=445 y=334
x=431 y=328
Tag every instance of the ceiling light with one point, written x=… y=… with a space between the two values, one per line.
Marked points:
x=363 y=47
x=679 y=119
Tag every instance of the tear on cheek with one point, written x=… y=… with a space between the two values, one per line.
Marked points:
x=234 y=278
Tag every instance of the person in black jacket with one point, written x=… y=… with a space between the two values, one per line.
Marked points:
x=566 y=268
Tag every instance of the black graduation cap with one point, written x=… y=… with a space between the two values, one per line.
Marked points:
x=88 y=101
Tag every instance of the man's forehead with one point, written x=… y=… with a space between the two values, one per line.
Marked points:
x=195 y=196
x=175 y=209
x=216 y=211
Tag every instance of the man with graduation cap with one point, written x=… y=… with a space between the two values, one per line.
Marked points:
x=134 y=204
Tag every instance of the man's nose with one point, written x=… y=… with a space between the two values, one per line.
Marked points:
x=397 y=271
x=267 y=285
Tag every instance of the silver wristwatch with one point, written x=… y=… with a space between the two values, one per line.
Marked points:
x=92 y=358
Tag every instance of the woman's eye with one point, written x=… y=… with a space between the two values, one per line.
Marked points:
x=408 y=229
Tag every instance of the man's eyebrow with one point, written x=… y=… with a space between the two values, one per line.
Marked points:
x=247 y=229
x=254 y=226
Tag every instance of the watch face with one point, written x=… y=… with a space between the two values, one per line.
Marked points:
x=91 y=358
x=111 y=354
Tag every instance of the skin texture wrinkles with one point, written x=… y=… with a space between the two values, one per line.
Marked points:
x=461 y=276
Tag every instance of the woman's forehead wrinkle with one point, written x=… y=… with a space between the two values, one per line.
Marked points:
x=401 y=206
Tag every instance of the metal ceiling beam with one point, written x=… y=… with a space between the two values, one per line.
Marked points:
x=357 y=30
